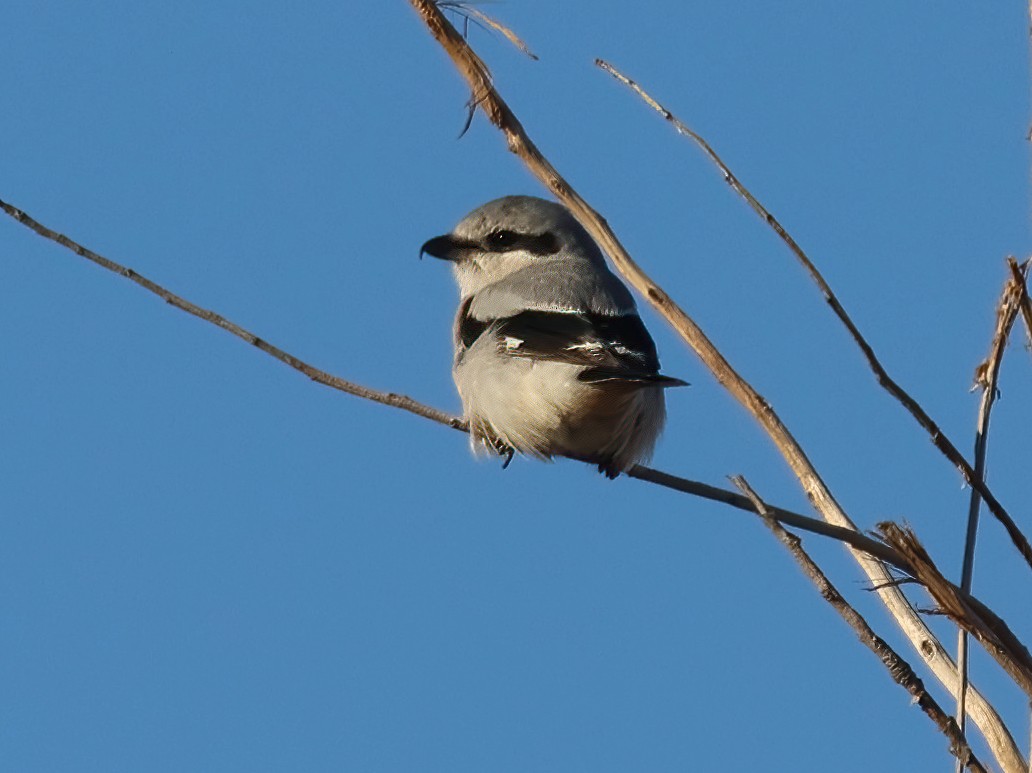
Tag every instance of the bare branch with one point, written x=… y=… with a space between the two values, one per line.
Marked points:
x=938 y=437
x=472 y=68
x=986 y=377
x=900 y=671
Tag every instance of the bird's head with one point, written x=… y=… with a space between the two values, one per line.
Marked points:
x=507 y=235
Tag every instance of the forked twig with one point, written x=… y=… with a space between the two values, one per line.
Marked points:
x=472 y=68
x=938 y=437
x=481 y=18
x=900 y=671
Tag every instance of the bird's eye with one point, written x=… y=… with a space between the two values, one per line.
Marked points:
x=501 y=240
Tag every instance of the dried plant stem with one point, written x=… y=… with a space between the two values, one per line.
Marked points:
x=938 y=437
x=987 y=627
x=986 y=378
x=498 y=113
x=898 y=668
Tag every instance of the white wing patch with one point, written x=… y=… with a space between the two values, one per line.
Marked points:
x=587 y=346
x=512 y=343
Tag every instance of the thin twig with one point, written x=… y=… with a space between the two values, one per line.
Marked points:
x=319 y=376
x=1026 y=314
x=487 y=98
x=898 y=668
x=986 y=378
x=849 y=537
x=938 y=437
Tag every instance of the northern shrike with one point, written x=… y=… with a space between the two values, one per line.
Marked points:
x=551 y=356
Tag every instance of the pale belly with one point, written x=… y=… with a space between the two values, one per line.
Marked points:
x=539 y=408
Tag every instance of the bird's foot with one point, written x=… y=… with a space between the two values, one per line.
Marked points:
x=504 y=449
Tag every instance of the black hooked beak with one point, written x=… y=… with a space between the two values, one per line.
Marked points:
x=447 y=247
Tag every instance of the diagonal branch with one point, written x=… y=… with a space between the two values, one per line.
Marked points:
x=898 y=668
x=938 y=437
x=473 y=70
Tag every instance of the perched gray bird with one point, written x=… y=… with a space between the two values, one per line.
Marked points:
x=551 y=356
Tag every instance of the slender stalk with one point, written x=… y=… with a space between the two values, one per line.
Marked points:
x=986 y=378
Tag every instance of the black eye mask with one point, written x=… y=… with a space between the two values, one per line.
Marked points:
x=510 y=241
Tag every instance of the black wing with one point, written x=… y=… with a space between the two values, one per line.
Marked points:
x=613 y=348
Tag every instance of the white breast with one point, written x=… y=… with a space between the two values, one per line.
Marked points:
x=540 y=408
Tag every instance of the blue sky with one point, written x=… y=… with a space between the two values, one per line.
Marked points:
x=208 y=562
